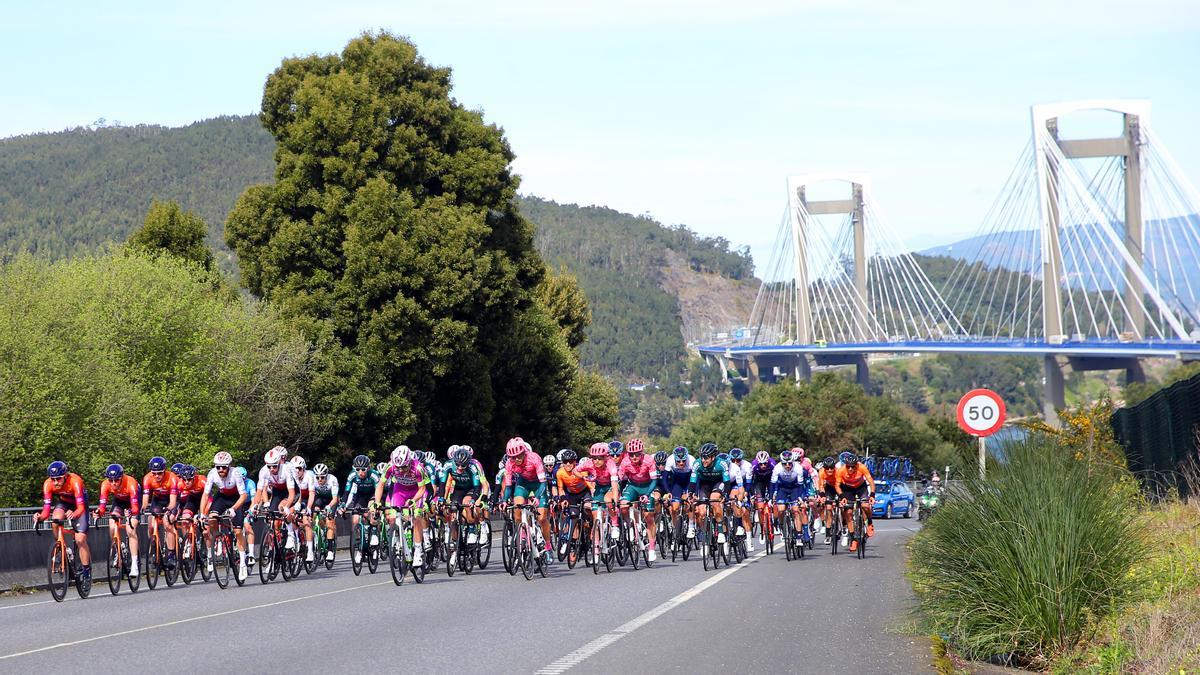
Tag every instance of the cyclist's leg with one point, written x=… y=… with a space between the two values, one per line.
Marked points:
x=81 y=541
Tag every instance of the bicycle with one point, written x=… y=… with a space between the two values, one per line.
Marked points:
x=322 y=546
x=401 y=548
x=120 y=561
x=459 y=554
x=224 y=553
x=272 y=558
x=360 y=542
x=62 y=565
x=483 y=550
x=191 y=556
x=764 y=523
x=527 y=557
x=601 y=546
x=663 y=528
x=860 y=526
x=711 y=549
x=787 y=532
x=681 y=544
x=634 y=536
x=157 y=553
x=834 y=527
x=297 y=558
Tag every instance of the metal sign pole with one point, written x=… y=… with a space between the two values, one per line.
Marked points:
x=982 y=457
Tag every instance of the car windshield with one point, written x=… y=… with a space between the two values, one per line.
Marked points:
x=882 y=488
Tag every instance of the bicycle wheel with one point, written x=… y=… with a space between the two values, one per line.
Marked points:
x=330 y=553
x=622 y=542
x=789 y=537
x=396 y=561
x=483 y=554
x=170 y=572
x=525 y=551
x=372 y=554
x=56 y=572
x=451 y=555
x=202 y=560
x=220 y=560
x=131 y=580
x=358 y=550
x=267 y=559
x=685 y=543
x=419 y=572
x=633 y=537
x=153 y=564
x=113 y=563
x=508 y=547
x=187 y=560
x=705 y=539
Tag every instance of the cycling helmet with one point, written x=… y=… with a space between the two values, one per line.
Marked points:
x=828 y=462
x=708 y=450
x=187 y=472
x=561 y=453
x=401 y=455
x=680 y=451
x=851 y=458
x=241 y=471
x=786 y=457
x=177 y=467
x=516 y=446
x=598 y=449
x=736 y=454
x=615 y=448
x=283 y=452
x=724 y=456
x=57 y=469
x=568 y=455
x=272 y=458
x=320 y=470
x=469 y=449
x=762 y=457
x=636 y=447
x=430 y=457
x=461 y=456
x=381 y=467
x=299 y=462
x=156 y=464
x=222 y=459
x=362 y=462
x=450 y=451
x=548 y=461
x=114 y=471
x=798 y=452
x=660 y=457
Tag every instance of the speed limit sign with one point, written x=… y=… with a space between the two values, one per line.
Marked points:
x=981 y=412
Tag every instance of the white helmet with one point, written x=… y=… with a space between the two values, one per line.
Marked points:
x=548 y=460
x=299 y=462
x=321 y=470
x=222 y=459
x=450 y=452
x=273 y=457
x=762 y=457
x=470 y=451
x=381 y=467
x=430 y=456
x=401 y=455
x=283 y=452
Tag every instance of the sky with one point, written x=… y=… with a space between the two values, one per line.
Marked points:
x=693 y=112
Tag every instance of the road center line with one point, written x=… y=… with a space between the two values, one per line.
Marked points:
x=189 y=620
x=592 y=648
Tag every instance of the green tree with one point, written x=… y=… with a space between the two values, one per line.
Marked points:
x=171 y=229
x=592 y=410
x=392 y=231
x=561 y=295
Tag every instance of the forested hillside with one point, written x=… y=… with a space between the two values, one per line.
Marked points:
x=62 y=194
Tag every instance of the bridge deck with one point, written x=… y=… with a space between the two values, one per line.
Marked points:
x=1089 y=348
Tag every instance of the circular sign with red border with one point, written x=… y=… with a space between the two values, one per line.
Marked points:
x=981 y=412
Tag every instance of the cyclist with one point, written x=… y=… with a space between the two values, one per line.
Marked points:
x=710 y=477
x=550 y=464
x=854 y=481
x=525 y=477
x=615 y=450
x=160 y=495
x=277 y=489
x=304 y=495
x=574 y=484
x=65 y=496
x=660 y=465
x=603 y=473
x=464 y=481
x=124 y=491
x=324 y=496
x=485 y=489
x=406 y=484
x=828 y=489
x=641 y=480
x=226 y=494
x=739 y=470
x=432 y=469
x=191 y=489
x=676 y=479
x=251 y=490
x=360 y=488
x=790 y=486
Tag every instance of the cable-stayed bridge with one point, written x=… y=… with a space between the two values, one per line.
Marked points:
x=1090 y=255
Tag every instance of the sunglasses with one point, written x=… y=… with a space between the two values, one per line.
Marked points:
x=58 y=479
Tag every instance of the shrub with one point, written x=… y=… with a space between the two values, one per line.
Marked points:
x=1023 y=563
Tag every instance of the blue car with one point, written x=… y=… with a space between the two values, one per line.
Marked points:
x=892 y=498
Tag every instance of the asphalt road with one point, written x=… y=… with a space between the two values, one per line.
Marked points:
x=821 y=614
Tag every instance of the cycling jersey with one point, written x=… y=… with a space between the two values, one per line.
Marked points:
x=744 y=470
x=855 y=477
x=230 y=486
x=304 y=483
x=735 y=474
x=715 y=476
x=69 y=494
x=641 y=472
x=466 y=478
x=124 y=494
x=325 y=495
x=160 y=488
x=360 y=490
x=193 y=488
x=602 y=473
x=572 y=482
x=278 y=481
x=760 y=472
x=403 y=483
x=531 y=469
x=789 y=484
x=827 y=481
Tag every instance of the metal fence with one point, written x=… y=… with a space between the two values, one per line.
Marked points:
x=21 y=519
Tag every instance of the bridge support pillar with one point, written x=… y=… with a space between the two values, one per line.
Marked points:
x=723 y=364
x=803 y=369
x=862 y=372
x=1135 y=373
x=1054 y=396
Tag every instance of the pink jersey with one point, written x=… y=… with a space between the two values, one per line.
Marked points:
x=642 y=472
x=601 y=472
x=531 y=469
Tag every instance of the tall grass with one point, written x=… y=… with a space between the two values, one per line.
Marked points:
x=1022 y=564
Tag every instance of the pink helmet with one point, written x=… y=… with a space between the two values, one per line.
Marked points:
x=598 y=450
x=798 y=453
x=635 y=447
x=516 y=447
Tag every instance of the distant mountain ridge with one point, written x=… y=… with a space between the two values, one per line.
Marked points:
x=71 y=192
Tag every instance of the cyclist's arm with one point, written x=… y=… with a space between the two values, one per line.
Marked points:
x=103 y=497
x=379 y=486
x=173 y=500
x=80 y=498
x=135 y=506
x=206 y=499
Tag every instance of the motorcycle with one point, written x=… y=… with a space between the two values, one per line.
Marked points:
x=928 y=504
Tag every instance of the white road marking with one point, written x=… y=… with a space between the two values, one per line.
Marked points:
x=592 y=648
x=189 y=620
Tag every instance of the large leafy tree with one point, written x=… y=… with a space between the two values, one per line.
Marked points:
x=168 y=228
x=391 y=234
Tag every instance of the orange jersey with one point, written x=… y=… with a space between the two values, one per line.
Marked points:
x=160 y=488
x=826 y=477
x=196 y=487
x=571 y=481
x=854 y=477
x=126 y=490
x=71 y=492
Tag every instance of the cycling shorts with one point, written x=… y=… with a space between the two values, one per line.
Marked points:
x=321 y=501
x=158 y=506
x=526 y=489
x=222 y=503
x=760 y=488
x=785 y=494
x=461 y=493
x=277 y=498
x=119 y=507
x=851 y=493
x=706 y=488
x=191 y=505
x=81 y=523
x=830 y=493
x=361 y=500
x=601 y=493
x=400 y=495
x=677 y=483
x=634 y=492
